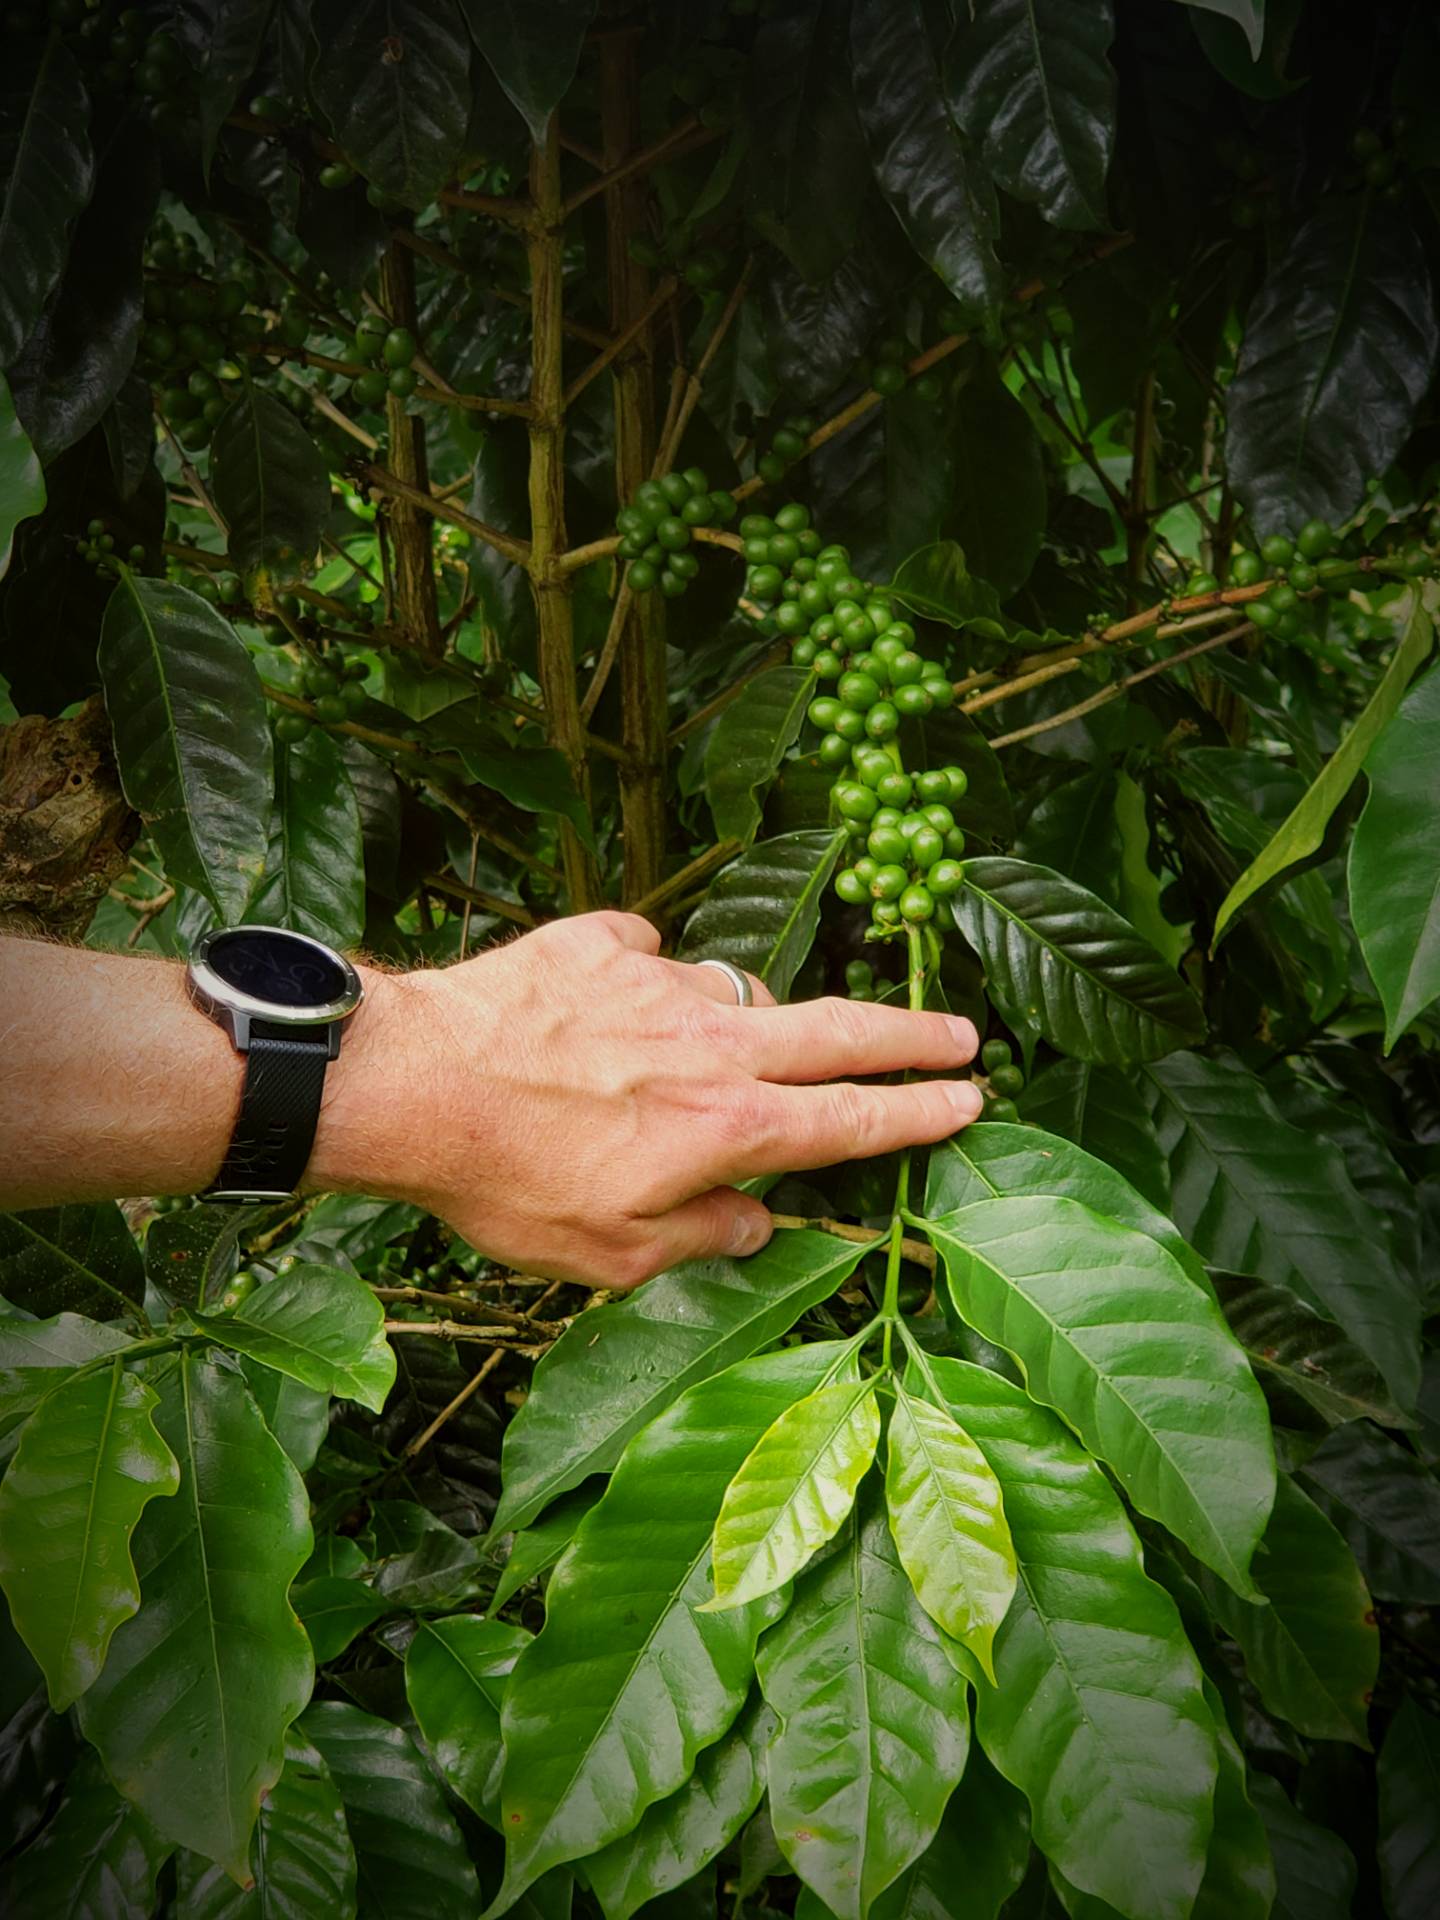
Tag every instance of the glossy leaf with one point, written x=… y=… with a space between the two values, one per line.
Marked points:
x=952 y=739
x=1102 y=1111
x=679 y=1836
x=1255 y=1195
x=1387 y=1506
x=22 y=485
x=535 y=779
x=536 y=1548
x=1409 y=1781
x=1314 y=1869
x=1248 y=15
x=1291 y=1343
x=98 y=1858
x=334 y=1611
x=936 y=581
x=272 y=486
x=1060 y=962
x=947 y=1514
x=793 y=1491
x=224 y=39
x=1394 y=857
x=78 y=1259
x=1074 y=830
x=1111 y=1333
x=394 y=85
x=320 y=1326
x=1098 y=1716
x=48 y=168
x=1313 y=1652
x=608 y=1377
x=190 y=1710
x=455 y=1675
x=297 y=1416
x=982 y=1844
x=762 y=910
x=88 y=1464
x=1239 y=1881
x=1032 y=86
x=301 y=1859
x=34 y=1357
x=534 y=55
x=1303 y=832
x=940 y=196
x=314 y=880
x=1338 y=349
x=192 y=1254
x=627 y=1683
x=410 y=1857
x=874 y=1724
x=191 y=736
x=750 y=740
x=997 y=506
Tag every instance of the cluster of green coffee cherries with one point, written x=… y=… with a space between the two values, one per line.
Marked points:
x=388 y=352
x=99 y=547
x=657 y=530
x=336 y=689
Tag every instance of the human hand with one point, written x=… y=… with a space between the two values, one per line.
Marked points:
x=574 y=1103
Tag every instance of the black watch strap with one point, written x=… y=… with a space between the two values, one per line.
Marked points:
x=279 y=1111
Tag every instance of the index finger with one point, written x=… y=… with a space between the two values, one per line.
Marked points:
x=819 y=1126
x=830 y=1038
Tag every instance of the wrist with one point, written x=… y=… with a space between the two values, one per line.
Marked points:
x=370 y=1137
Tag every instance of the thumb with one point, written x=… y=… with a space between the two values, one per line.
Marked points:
x=714 y=1225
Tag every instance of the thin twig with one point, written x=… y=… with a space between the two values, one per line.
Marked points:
x=1116 y=688
x=688 y=135
x=505 y=544
x=920 y=1251
x=477 y=897
x=192 y=478
x=480 y=1309
x=664 y=292
x=471 y=1386
x=722 y=699
x=690 y=875
x=497 y=1336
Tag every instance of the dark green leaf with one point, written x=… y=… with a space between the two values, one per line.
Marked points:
x=1103 y=1112
x=1031 y=84
x=1409 y=1780
x=1075 y=831
x=323 y=1327
x=429 y=1564
x=314 y=880
x=986 y=810
x=1314 y=1869
x=997 y=510
x=38 y=1748
x=224 y=39
x=394 y=85
x=612 y=1372
x=1310 y=1355
x=296 y=1416
x=940 y=196
x=538 y=1546
x=874 y=1726
x=750 y=740
x=982 y=1845
x=936 y=581
x=191 y=736
x=1239 y=1881
x=334 y=1611
x=455 y=1676
x=97 y=1859
x=1248 y=15
x=271 y=483
x=22 y=485
x=1386 y=1504
x=606 y=1712
x=411 y=1859
x=1338 y=351
x=762 y=910
x=35 y=1354
x=535 y=778
x=48 y=168
x=533 y=54
x=214 y=1624
x=192 y=1253
x=1255 y=1195
x=74 y=1259
x=1060 y=962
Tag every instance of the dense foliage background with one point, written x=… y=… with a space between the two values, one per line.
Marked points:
x=335 y=337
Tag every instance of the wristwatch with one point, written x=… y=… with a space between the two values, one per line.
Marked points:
x=284 y=1000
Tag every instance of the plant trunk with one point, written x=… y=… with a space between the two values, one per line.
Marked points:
x=413 y=569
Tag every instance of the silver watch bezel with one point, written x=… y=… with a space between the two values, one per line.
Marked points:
x=234 y=1010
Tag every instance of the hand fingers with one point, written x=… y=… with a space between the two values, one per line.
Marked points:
x=818 y=1126
x=629 y=929
x=721 y=1223
x=834 y=1039
x=713 y=984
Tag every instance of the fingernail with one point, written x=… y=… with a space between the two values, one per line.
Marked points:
x=966 y=1038
x=749 y=1232
x=967 y=1100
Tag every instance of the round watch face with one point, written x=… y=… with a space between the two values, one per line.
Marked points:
x=281 y=968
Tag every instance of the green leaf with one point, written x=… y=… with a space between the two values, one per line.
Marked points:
x=88 y=1464
x=1337 y=353
x=533 y=54
x=942 y=199
x=76 y=1259
x=762 y=910
x=301 y=1859
x=320 y=1326
x=394 y=85
x=214 y=1631
x=537 y=1547
x=750 y=740
x=224 y=39
x=1102 y=1111
x=1409 y=1782
x=536 y=779
x=1309 y=1355
x=1303 y=832
x=33 y=1356
x=410 y=1857
x=271 y=482
x=314 y=880
x=1313 y=1651
x=997 y=508
x=874 y=1726
x=1033 y=88
x=1060 y=962
x=22 y=484
x=98 y=1858
x=947 y=1514
x=984 y=1163
x=952 y=738
x=606 y=1712
x=1098 y=1716
x=793 y=1491
x=334 y=1611
x=48 y=169
x=620 y=1365
x=191 y=1255
x=679 y=1836
x=191 y=736
x=1387 y=1506
x=1111 y=1333
x=455 y=1676
x=982 y=1844
x=1255 y=1195
x=936 y=581
x=1239 y=1881
x=298 y=1417
x=1314 y=1869
x=1074 y=830
x=1248 y=15
x=1395 y=858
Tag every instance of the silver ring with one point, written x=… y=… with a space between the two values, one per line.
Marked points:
x=744 y=997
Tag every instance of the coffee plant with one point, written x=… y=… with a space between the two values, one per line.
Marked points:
x=935 y=501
